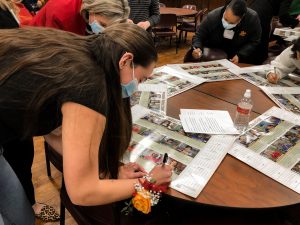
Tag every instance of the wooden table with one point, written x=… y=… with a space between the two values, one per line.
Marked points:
x=234 y=184
x=178 y=11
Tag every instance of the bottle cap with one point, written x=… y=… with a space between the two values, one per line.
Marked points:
x=247 y=93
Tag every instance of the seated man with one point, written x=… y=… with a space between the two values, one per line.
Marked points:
x=287 y=62
x=234 y=29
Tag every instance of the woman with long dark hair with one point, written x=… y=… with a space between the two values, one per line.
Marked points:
x=77 y=83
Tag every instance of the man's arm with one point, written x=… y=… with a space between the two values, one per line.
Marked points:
x=202 y=33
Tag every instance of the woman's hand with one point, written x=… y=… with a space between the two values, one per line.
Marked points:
x=131 y=171
x=272 y=78
x=162 y=174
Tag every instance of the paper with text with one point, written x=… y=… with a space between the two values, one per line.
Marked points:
x=272 y=146
x=207 y=121
x=194 y=157
x=257 y=75
x=285 y=97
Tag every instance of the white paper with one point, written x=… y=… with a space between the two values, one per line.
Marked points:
x=272 y=146
x=257 y=75
x=152 y=87
x=151 y=96
x=211 y=71
x=291 y=38
x=176 y=82
x=194 y=157
x=207 y=121
x=285 y=97
x=138 y=111
x=251 y=69
x=193 y=179
x=287 y=31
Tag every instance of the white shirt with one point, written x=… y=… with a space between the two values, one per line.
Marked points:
x=285 y=64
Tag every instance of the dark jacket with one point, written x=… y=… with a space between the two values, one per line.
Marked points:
x=244 y=42
x=7 y=20
x=266 y=9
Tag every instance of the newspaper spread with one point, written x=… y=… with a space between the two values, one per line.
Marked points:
x=211 y=71
x=257 y=75
x=285 y=97
x=272 y=146
x=176 y=83
x=194 y=157
x=151 y=96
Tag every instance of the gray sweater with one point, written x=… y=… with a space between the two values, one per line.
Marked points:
x=144 y=10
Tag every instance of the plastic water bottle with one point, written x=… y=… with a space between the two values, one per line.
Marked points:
x=243 y=110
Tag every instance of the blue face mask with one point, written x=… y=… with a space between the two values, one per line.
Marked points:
x=96 y=27
x=131 y=87
x=226 y=25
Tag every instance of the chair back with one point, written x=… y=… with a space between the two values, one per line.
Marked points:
x=161 y=5
x=192 y=7
x=167 y=20
x=90 y=215
x=199 y=16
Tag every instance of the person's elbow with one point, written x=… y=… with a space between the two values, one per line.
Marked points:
x=78 y=196
x=81 y=193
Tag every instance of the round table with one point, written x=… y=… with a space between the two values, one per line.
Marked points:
x=178 y=11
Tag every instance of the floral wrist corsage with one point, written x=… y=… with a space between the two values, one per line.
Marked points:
x=146 y=194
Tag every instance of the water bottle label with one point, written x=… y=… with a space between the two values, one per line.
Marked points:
x=243 y=111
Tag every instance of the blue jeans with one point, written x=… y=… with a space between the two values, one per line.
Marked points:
x=15 y=208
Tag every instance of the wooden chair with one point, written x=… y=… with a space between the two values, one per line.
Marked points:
x=55 y=158
x=90 y=215
x=187 y=18
x=191 y=26
x=165 y=28
x=161 y=5
x=103 y=214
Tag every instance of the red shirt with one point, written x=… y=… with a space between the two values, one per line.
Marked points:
x=25 y=16
x=61 y=14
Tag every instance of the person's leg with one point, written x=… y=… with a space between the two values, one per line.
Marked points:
x=14 y=205
x=19 y=155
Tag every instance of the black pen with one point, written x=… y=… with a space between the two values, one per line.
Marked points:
x=165 y=159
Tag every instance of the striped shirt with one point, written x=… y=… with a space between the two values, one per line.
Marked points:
x=144 y=10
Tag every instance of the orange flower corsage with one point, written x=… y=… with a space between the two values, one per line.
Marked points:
x=142 y=202
x=146 y=195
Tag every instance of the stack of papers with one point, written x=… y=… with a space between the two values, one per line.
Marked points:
x=207 y=121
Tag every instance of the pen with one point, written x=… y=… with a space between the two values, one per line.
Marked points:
x=165 y=159
x=276 y=74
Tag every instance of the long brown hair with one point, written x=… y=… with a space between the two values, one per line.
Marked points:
x=68 y=60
